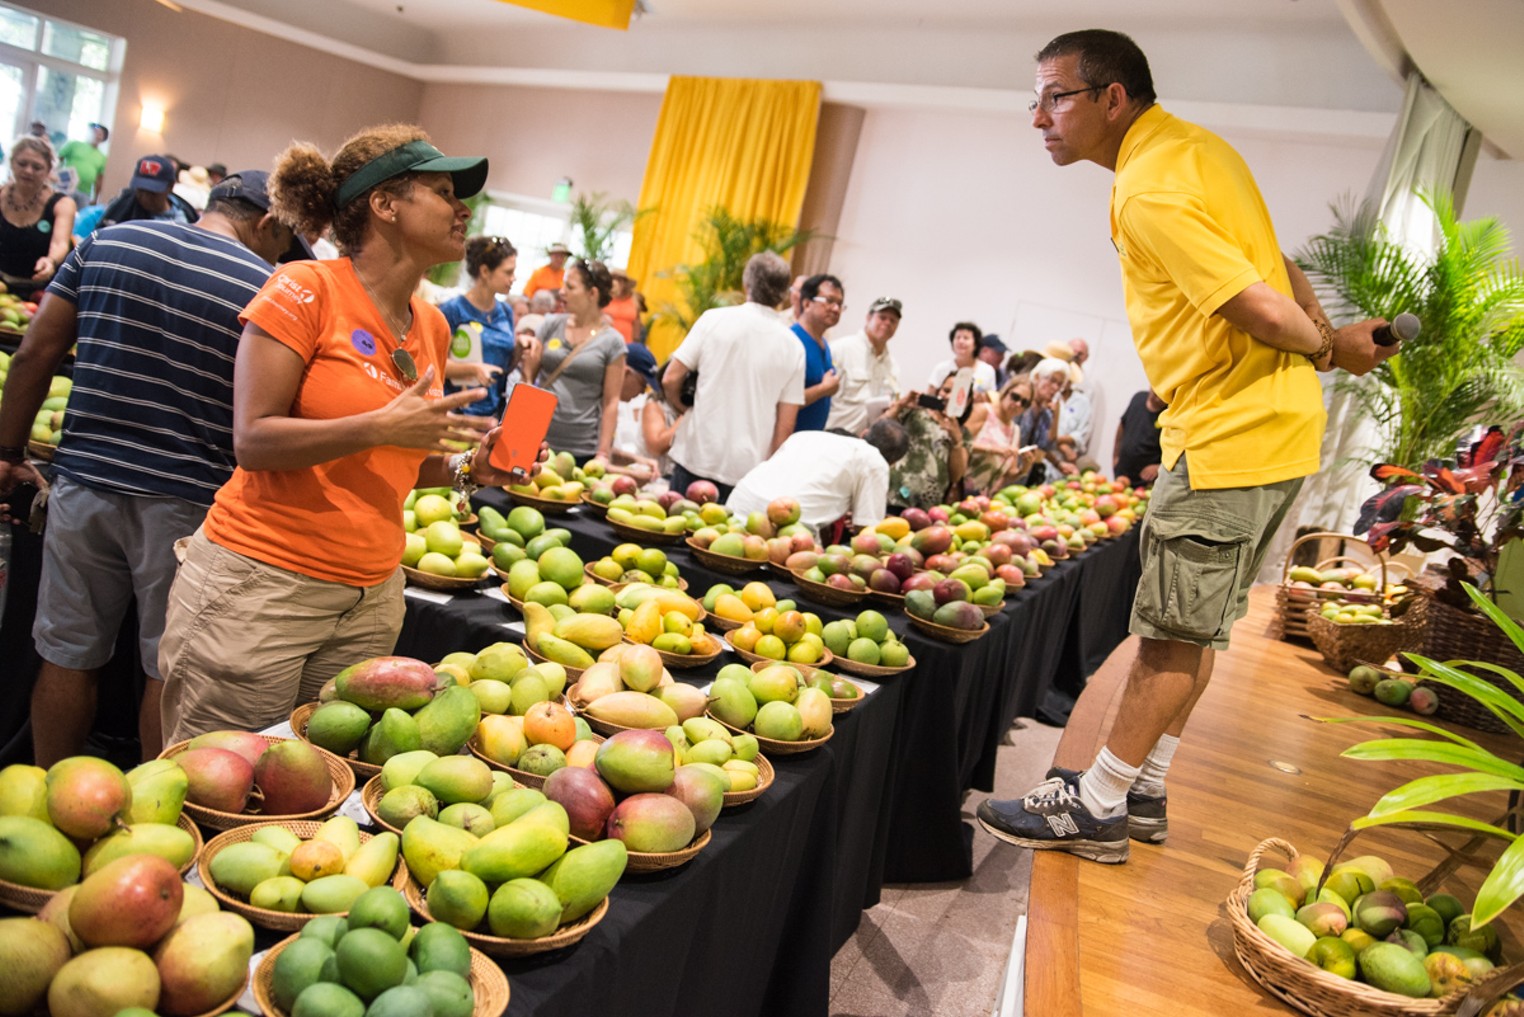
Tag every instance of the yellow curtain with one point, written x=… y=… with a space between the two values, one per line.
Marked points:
x=603 y=13
x=745 y=146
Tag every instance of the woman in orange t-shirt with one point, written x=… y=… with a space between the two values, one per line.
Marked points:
x=338 y=412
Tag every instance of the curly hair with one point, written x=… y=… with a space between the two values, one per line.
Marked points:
x=305 y=183
x=488 y=253
x=595 y=276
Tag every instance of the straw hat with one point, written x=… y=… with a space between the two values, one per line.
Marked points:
x=1063 y=351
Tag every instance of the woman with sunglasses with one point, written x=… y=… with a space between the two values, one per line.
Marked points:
x=581 y=360
x=490 y=264
x=338 y=411
x=995 y=459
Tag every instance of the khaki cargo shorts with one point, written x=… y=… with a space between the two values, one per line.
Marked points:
x=245 y=641
x=1201 y=551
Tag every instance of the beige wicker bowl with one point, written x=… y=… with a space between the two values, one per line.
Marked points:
x=773 y=745
x=825 y=593
x=837 y=705
x=338 y=770
x=281 y=921
x=946 y=633
x=727 y=563
x=548 y=506
x=501 y=946
x=644 y=537
x=752 y=658
x=488 y=983
x=646 y=861
x=30 y=899
x=444 y=584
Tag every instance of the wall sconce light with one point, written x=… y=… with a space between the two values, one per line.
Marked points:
x=152 y=118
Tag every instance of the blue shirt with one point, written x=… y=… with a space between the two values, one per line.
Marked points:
x=497 y=347
x=817 y=361
x=156 y=305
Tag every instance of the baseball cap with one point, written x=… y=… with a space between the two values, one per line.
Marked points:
x=469 y=173
x=253 y=186
x=558 y=248
x=154 y=173
x=640 y=358
x=992 y=342
x=886 y=304
x=105 y=131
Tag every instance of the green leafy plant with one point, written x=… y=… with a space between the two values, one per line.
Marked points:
x=1478 y=769
x=595 y=220
x=1469 y=294
x=728 y=244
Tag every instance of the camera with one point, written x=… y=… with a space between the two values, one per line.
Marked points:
x=931 y=402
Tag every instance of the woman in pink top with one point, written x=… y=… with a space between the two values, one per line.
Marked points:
x=996 y=460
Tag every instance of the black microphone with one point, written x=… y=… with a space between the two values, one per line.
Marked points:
x=1403 y=327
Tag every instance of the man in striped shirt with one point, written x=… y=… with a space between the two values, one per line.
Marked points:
x=147 y=439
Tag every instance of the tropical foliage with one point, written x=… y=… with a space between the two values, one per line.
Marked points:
x=728 y=244
x=1477 y=769
x=1471 y=506
x=595 y=220
x=1469 y=294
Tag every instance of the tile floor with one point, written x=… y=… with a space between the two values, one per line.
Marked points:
x=940 y=948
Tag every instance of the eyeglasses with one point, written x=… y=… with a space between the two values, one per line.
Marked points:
x=1018 y=400
x=829 y=302
x=1049 y=102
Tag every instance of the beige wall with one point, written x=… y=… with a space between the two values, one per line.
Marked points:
x=231 y=95
x=533 y=137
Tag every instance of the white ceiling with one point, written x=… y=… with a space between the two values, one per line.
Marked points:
x=1317 y=55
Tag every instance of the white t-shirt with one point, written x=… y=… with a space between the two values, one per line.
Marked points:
x=864 y=375
x=747 y=362
x=830 y=475
x=984 y=375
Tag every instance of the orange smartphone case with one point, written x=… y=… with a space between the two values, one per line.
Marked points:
x=526 y=419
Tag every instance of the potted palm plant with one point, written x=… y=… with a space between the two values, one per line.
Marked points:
x=1469 y=294
x=595 y=219
x=728 y=242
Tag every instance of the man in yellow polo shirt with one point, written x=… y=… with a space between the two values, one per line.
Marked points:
x=1230 y=335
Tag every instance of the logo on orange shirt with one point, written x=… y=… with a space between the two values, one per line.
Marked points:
x=363 y=341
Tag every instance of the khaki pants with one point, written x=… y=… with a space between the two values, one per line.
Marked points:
x=1201 y=551
x=244 y=641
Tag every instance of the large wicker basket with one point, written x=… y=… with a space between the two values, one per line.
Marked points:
x=1450 y=634
x=1344 y=646
x=1307 y=987
x=1296 y=605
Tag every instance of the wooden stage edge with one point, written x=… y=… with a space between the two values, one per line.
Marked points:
x=1152 y=936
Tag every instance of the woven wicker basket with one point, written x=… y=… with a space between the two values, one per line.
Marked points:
x=1450 y=634
x=343 y=785
x=265 y=918
x=547 y=506
x=825 y=593
x=643 y=537
x=753 y=658
x=30 y=900
x=837 y=705
x=773 y=745
x=1344 y=646
x=727 y=563
x=523 y=778
x=1296 y=604
x=501 y=946
x=489 y=986
x=444 y=584
x=1307 y=987
x=946 y=633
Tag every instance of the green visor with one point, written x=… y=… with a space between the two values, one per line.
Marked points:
x=468 y=172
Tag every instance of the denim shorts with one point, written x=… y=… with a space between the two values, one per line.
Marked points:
x=1201 y=551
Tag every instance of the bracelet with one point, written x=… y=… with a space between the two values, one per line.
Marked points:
x=1327 y=332
x=12 y=453
x=460 y=471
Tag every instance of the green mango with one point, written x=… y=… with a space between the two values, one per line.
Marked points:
x=171 y=843
x=329 y=895
x=396 y=732
x=523 y=909
x=522 y=848
x=402 y=768
x=446 y=724
x=35 y=854
x=297 y=966
x=430 y=847
x=510 y=805
x=158 y=791
x=242 y=867
x=585 y=875
x=338 y=727
x=456 y=779
x=563 y=652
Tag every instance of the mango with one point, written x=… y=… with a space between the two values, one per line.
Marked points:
x=219 y=778
x=779 y=721
x=395 y=733
x=293 y=778
x=370 y=962
x=342 y=832
x=512 y=804
x=403 y=768
x=327 y=999
x=553 y=674
x=640 y=668
x=35 y=854
x=454 y=779
x=103 y=981
x=86 y=796
x=338 y=727
x=439 y=947
x=593 y=632
x=522 y=848
x=1379 y=913
x=446 y=723
x=298 y=965
x=458 y=898
x=814 y=708
x=636 y=761
x=449 y=994
x=585 y=875
x=383 y=683
x=400 y=1001
x=202 y=962
x=501 y=739
x=523 y=909
x=702 y=789
x=24 y=791
x=652 y=823
x=1394 y=968
x=1333 y=955
x=400 y=805
x=240 y=867
x=33 y=952
x=732 y=702
x=1288 y=932
x=498 y=662
x=132 y=901
x=528 y=689
x=278 y=893
x=168 y=842
x=430 y=847
x=329 y=895
x=562 y=651
x=467 y=816
x=632 y=709
x=1322 y=919
x=159 y=787
x=375 y=860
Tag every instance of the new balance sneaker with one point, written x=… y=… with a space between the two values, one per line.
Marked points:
x=1146 y=817
x=1051 y=816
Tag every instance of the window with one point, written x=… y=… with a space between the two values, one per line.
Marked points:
x=533 y=224
x=62 y=74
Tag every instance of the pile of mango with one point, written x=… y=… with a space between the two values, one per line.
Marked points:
x=1344 y=612
x=1368 y=923
x=794 y=636
x=631 y=563
x=664 y=619
x=558 y=479
x=628 y=686
x=725 y=601
x=434 y=541
x=324 y=874
x=549 y=573
x=82 y=800
x=375 y=962
x=542 y=741
x=388 y=705
x=518 y=530
x=866 y=639
x=645 y=514
x=775 y=702
x=461 y=789
x=502 y=678
x=508 y=873
x=133 y=934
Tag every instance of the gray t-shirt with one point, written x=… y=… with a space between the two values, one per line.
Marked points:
x=579 y=388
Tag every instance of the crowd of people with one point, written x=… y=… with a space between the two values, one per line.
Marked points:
x=262 y=373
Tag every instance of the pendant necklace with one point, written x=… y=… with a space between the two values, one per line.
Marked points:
x=402 y=360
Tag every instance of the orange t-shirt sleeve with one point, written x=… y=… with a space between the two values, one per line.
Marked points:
x=289 y=307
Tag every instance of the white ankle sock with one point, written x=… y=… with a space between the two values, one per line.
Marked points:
x=1151 y=774
x=1103 y=788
